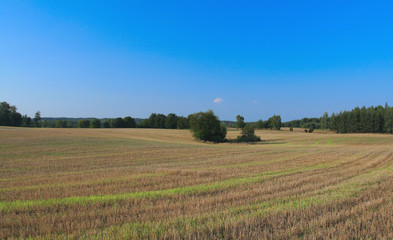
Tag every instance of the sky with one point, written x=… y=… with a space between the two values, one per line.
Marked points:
x=253 y=58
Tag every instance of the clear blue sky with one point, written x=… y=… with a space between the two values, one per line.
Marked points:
x=255 y=58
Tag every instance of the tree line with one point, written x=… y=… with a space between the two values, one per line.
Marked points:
x=273 y=123
x=359 y=120
x=362 y=120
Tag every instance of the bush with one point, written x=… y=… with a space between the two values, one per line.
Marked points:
x=291 y=129
x=248 y=135
x=206 y=127
x=311 y=129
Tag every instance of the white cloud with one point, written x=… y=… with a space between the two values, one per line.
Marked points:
x=218 y=100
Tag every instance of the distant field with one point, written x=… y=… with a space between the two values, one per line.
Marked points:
x=150 y=183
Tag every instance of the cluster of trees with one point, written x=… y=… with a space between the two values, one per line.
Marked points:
x=304 y=123
x=273 y=122
x=206 y=127
x=359 y=120
x=171 y=121
x=248 y=131
x=10 y=117
x=363 y=120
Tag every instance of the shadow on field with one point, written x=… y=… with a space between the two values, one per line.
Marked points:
x=262 y=142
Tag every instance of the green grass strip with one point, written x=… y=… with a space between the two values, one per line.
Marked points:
x=84 y=200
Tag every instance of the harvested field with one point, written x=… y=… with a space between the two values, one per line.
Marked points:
x=150 y=183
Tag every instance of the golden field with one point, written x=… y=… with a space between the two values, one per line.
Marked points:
x=162 y=184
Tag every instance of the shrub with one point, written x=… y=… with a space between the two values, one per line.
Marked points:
x=206 y=127
x=248 y=135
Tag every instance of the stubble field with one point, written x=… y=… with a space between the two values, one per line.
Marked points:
x=162 y=184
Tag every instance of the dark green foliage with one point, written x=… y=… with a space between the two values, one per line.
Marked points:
x=61 y=124
x=26 y=121
x=154 y=121
x=117 y=123
x=311 y=129
x=240 y=121
x=83 y=123
x=171 y=121
x=107 y=123
x=37 y=119
x=275 y=122
x=206 y=127
x=248 y=135
x=9 y=116
x=305 y=123
x=324 y=121
x=363 y=120
x=129 y=122
x=291 y=129
x=182 y=123
x=95 y=123
x=261 y=124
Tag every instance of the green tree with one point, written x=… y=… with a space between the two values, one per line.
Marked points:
x=26 y=121
x=117 y=123
x=95 y=123
x=324 y=121
x=275 y=122
x=171 y=121
x=206 y=127
x=107 y=123
x=9 y=116
x=182 y=123
x=260 y=124
x=61 y=124
x=248 y=134
x=83 y=123
x=37 y=119
x=240 y=122
x=129 y=122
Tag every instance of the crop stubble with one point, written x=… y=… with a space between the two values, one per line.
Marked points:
x=150 y=183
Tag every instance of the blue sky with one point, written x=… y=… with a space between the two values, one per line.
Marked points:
x=255 y=58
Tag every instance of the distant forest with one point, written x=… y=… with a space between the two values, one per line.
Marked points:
x=359 y=120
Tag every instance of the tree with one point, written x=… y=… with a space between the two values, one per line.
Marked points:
x=129 y=122
x=9 y=116
x=117 y=123
x=83 y=123
x=248 y=134
x=182 y=123
x=61 y=123
x=95 y=123
x=171 y=121
x=206 y=127
x=275 y=122
x=26 y=121
x=260 y=124
x=324 y=121
x=37 y=119
x=240 y=122
x=107 y=123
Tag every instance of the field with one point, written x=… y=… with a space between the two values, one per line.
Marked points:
x=149 y=183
